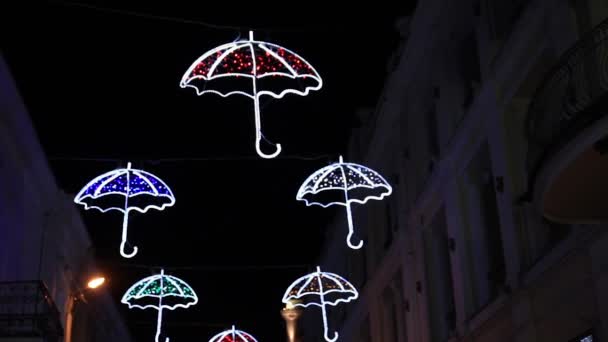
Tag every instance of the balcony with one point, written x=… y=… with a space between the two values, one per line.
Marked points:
x=28 y=311
x=567 y=127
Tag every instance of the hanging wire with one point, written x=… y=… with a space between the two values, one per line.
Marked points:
x=145 y=15
x=156 y=161
x=312 y=28
x=184 y=323
x=211 y=268
x=239 y=29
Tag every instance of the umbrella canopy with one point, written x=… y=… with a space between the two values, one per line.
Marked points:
x=320 y=289
x=253 y=68
x=233 y=335
x=125 y=190
x=342 y=184
x=160 y=291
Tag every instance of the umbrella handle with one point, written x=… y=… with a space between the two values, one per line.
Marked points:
x=258 y=128
x=330 y=339
x=125 y=254
x=159 y=322
x=351 y=230
x=125 y=223
x=264 y=155
x=326 y=328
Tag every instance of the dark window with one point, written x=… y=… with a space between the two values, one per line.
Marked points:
x=432 y=134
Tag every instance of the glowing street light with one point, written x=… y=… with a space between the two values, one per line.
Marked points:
x=291 y=313
x=96 y=282
x=78 y=295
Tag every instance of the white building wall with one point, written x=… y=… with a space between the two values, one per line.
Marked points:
x=42 y=236
x=429 y=80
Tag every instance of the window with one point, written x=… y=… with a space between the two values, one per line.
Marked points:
x=393 y=312
x=389 y=316
x=365 y=334
x=432 y=128
x=362 y=262
x=503 y=15
x=440 y=292
x=391 y=213
x=388 y=230
x=470 y=70
x=484 y=251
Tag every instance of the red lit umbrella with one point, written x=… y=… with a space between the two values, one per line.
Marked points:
x=253 y=60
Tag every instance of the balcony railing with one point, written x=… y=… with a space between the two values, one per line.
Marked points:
x=573 y=95
x=27 y=310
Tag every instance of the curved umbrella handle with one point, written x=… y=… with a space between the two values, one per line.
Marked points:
x=326 y=328
x=264 y=155
x=350 y=244
x=327 y=338
x=158 y=335
x=351 y=230
x=125 y=223
x=125 y=254
x=258 y=128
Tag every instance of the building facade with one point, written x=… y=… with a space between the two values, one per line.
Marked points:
x=44 y=246
x=493 y=130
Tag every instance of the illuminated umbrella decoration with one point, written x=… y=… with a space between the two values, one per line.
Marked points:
x=160 y=292
x=136 y=186
x=320 y=289
x=233 y=335
x=255 y=60
x=352 y=183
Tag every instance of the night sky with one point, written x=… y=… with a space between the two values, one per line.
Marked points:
x=102 y=88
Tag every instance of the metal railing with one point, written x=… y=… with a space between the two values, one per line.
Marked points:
x=27 y=310
x=573 y=95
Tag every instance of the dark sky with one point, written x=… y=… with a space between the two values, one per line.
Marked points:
x=105 y=85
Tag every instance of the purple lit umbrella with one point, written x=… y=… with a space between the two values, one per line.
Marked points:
x=126 y=190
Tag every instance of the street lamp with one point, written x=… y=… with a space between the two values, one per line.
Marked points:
x=96 y=282
x=290 y=314
x=78 y=294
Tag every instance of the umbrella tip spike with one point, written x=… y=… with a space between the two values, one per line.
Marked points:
x=251 y=35
x=128 y=165
x=341 y=159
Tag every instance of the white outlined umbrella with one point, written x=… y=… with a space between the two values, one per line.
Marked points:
x=353 y=183
x=320 y=289
x=160 y=292
x=233 y=335
x=130 y=184
x=254 y=60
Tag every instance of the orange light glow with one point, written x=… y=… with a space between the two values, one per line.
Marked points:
x=96 y=282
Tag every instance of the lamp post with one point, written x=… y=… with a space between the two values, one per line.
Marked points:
x=78 y=294
x=291 y=314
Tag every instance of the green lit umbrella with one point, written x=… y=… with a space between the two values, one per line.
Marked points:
x=160 y=292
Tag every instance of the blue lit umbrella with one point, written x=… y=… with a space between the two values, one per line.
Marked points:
x=138 y=185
